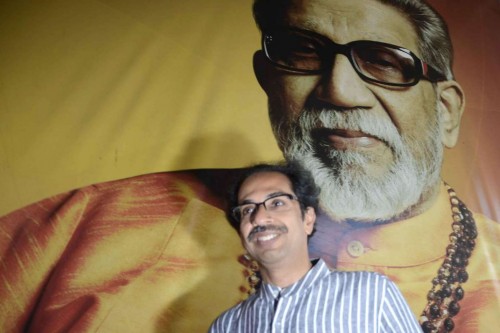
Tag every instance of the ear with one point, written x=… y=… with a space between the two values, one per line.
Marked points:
x=309 y=220
x=451 y=104
x=261 y=68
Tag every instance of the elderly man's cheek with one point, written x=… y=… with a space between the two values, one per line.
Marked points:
x=294 y=92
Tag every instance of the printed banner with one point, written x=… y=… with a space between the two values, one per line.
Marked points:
x=122 y=124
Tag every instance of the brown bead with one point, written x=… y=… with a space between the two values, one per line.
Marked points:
x=448 y=324
x=458 y=261
x=427 y=327
x=446 y=291
x=453 y=308
x=434 y=310
x=459 y=293
x=456 y=226
x=453 y=277
x=463 y=276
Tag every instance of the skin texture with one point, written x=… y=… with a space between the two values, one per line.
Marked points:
x=410 y=109
x=283 y=258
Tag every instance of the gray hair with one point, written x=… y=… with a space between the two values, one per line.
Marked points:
x=432 y=31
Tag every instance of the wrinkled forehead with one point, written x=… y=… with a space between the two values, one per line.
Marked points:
x=346 y=20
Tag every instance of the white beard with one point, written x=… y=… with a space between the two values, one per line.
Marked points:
x=349 y=192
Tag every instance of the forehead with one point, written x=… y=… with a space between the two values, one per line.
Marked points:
x=347 y=20
x=260 y=184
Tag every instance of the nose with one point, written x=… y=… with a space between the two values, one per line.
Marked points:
x=343 y=87
x=260 y=215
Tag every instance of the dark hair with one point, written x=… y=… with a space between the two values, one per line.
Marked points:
x=432 y=31
x=302 y=182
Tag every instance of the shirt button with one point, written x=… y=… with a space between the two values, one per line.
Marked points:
x=355 y=248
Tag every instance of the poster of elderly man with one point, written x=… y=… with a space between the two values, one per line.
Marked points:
x=122 y=124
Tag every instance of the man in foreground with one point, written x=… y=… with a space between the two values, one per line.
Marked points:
x=274 y=208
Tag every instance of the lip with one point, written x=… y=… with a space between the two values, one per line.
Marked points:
x=344 y=139
x=266 y=237
x=266 y=234
x=263 y=236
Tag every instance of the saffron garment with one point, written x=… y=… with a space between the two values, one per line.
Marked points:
x=154 y=253
x=148 y=254
x=410 y=253
x=323 y=300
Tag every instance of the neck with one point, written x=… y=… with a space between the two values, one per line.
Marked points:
x=331 y=239
x=427 y=199
x=285 y=274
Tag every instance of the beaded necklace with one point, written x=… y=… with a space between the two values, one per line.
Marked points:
x=446 y=292
x=447 y=289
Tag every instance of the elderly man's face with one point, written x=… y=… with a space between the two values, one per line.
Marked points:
x=375 y=150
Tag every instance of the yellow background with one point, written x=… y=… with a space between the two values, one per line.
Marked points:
x=99 y=90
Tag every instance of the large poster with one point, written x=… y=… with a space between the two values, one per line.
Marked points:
x=102 y=103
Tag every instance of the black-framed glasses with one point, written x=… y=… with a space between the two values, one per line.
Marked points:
x=306 y=52
x=278 y=202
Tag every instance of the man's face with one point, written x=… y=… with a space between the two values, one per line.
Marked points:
x=374 y=150
x=273 y=235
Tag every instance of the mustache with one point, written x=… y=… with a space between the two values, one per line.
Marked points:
x=362 y=120
x=321 y=120
x=268 y=227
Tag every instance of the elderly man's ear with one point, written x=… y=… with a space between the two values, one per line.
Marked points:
x=451 y=104
x=262 y=69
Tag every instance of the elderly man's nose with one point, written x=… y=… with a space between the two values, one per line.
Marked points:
x=343 y=87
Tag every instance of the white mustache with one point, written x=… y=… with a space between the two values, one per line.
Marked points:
x=354 y=120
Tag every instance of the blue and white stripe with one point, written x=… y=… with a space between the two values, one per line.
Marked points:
x=323 y=301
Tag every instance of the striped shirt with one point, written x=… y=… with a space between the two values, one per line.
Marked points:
x=322 y=301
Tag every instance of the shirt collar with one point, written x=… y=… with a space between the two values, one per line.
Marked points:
x=319 y=270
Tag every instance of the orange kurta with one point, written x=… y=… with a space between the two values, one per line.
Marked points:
x=146 y=254
x=411 y=251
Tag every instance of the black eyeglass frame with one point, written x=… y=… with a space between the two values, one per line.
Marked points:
x=235 y=211
x=423 y=70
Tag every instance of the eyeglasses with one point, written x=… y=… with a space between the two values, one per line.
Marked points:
x=278 y=202
x=305 y=52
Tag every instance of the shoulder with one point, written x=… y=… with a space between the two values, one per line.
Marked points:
x=361 y=278
x=361 y=283
x=486 y=254
x=165 y=192
x=205 y=184
x=488 y=230
x=223 y=322
x=229 y=319
x=140 y=201
x=382 y=297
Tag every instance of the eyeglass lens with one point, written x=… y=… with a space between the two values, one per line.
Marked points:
x=374 y=61
x=384 y=64
x=276 y=203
